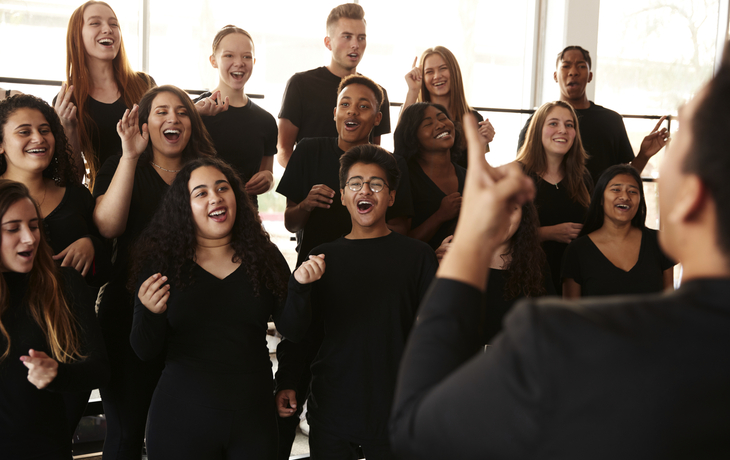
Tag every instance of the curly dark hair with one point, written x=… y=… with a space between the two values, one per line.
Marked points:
x=169 y=241
x=595 y=213
x=525 y=272
x=62 y=168
x=406 y=133
x=200 y=143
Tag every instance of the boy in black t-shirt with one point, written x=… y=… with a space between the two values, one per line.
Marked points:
x=310 y=96
x=365 y=301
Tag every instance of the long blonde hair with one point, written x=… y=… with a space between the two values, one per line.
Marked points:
x=131 y=85
x=44 y=297
x=534 y=159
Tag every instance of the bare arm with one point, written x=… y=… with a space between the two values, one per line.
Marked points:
x=448 y=210
x=668 y=278
x=296 y=215
x=112 y=208
x=413 y=80
x=562 y=233
x=400 y=225
x=571 y=289
x=651 y=144
x=66 y=111
x=262 y=181
x=288 y=132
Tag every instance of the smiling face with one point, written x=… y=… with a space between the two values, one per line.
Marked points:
x=621 y=199
x=356 y=114
x=234 y=59
x=100 y=32
x=367 y=208
x=347 y=41
x=169 y=125
x=436 y=131
x=20 y=237
x=558 y=132
x=436 y=75
x=212 y=202
x=28 y=143
x=573 y=75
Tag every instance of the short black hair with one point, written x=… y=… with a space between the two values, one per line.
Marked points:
x=710 y=158
x=595 y=214
x=365 y=81
x=586 y=54
x=370 y=154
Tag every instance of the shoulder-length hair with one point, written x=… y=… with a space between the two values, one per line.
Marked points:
x=596 y=214
x=61 y=169
x=200 y=143
x=168 y=243
x=406 y=133
x=534 y=159
x=44 y=298
x=525 y=276
x=131 y=85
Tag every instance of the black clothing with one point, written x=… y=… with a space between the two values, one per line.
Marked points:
x=427 y=196
x=461 y=156
x=587 y=266
x=309 y=102
x=243 y=136
x=554 y=206
x=390 y=276
x=33 y=422
x=496 y=306
x=317 y=161
x=104 y=138
x=72 y=220
x=604 y=139
x=324 y=445
x=630 y=377
x=217 y=364
x=127 y=397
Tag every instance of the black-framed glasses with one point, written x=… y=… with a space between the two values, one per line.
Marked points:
x=376 y=184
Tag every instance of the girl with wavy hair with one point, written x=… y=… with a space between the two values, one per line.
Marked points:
x=159 y=137
x=437 y=79
x=208 y=279
x=553 y=156
x=49 y=338
x=616 y=253
x=100 y=84
x=244 y=134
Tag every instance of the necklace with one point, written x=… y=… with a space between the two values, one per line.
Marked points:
x=163 y=169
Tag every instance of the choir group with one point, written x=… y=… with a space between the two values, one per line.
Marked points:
x=134 y=261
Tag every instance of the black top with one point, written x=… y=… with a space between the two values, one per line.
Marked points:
x=309 y=102
x=216 y=344
x=147 y=193
x=33 y=422
x=104 y=138
x=427 y=196
x=587 y=266
x=496 y=306
x=604 y=139
x=72 y=220
x=634 y=377
x=367 y=315
x=554 y=206
x=317 y=161
x=243 y=136
x=461 y=156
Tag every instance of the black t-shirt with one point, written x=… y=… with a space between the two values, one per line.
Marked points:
x=147 y=193
x=33 y=422
x=317 y=161
x=104 y=138
x=460 y=156
x=554 y=206
x=604 y=139
x=72 y=220
x=309 y=102
x=367 y=316
x=587 y=266
x=427 y=196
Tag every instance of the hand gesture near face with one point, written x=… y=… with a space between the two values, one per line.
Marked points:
x=319 y=197
x=42 y=369
x=133 y=141
x=154 y=293
x=212 y=105
x=311 y=270
x=414 y=77
x=65 y=109
x=655 y=140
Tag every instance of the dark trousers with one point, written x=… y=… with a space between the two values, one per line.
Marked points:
x=324 y=445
